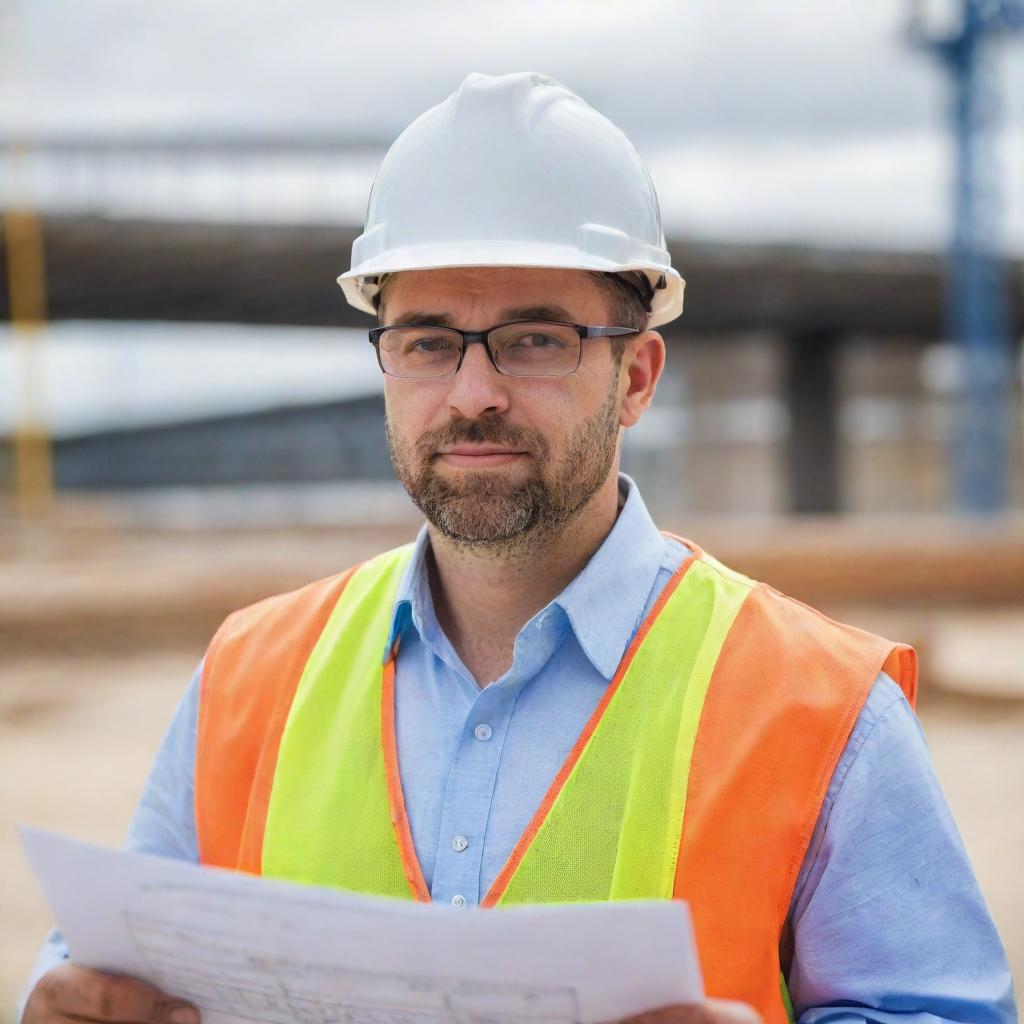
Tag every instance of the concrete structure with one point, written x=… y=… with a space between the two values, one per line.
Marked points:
x=803 y=307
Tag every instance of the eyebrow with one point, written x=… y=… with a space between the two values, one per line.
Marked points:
x=539 y=313
x=419 y=316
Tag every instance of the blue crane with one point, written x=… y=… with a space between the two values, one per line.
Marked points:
x=977 y=297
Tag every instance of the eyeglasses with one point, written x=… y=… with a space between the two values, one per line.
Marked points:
x=520 y=348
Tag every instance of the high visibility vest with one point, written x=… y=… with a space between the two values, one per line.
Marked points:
x=699 y=776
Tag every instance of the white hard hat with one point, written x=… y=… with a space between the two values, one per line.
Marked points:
x=513 y=170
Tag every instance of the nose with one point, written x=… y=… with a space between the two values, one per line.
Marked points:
x=477 y=389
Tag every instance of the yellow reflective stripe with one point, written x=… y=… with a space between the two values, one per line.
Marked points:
x=728 y=591
x=328 y=821
x=613 y=832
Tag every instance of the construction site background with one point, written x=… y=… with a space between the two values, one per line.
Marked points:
x=191 y=418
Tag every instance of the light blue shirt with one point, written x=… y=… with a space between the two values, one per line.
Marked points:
x=887 y=922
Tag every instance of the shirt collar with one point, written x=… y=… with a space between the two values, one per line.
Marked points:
x=414 y=605
x=603 y=604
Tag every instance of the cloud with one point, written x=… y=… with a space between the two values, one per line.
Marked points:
x=658 y=67
x=814 y=115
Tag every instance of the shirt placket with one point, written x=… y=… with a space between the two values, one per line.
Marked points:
x=469 y=795
x=469 y=792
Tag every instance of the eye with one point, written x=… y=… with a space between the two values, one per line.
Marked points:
x=429 y=344
x=538 y=339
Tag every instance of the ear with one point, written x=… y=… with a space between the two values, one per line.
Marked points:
x=642 y=364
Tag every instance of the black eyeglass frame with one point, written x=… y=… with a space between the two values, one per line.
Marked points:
x=585 y=332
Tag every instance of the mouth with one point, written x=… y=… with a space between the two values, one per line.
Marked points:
x=479 y=456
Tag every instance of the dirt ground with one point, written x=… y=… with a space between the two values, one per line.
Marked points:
x=77 y=735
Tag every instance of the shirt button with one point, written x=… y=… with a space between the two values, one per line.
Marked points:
x=459 y=843
x=458 y=901
x=482 y=732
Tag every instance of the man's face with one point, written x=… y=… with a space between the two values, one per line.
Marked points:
x=491 y=459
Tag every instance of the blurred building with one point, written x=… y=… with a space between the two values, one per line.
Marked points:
x=208 y=345
x=798 y=380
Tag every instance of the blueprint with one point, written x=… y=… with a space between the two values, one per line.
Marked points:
x=251 y=949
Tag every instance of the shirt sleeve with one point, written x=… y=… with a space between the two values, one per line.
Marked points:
x=164 y=820
x=887 y=922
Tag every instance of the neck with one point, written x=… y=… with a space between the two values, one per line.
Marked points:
x=484 y=595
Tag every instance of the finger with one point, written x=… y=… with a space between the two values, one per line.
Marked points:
x=40 y=1014
x=114 y=999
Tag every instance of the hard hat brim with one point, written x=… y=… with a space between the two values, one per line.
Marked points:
x=360 y=283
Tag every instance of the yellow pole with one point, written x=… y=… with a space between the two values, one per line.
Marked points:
x=26 y=290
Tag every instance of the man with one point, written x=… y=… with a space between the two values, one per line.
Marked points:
x=545 y=699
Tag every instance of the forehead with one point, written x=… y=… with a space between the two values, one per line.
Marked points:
x=495 y=291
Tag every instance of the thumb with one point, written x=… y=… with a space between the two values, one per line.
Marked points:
x=116 y=999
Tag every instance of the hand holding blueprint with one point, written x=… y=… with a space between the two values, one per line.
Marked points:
x=251 y=949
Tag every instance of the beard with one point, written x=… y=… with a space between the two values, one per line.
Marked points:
x=488 y=509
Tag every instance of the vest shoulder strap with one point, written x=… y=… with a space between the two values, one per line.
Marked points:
x=787 y=689
x=252 y=668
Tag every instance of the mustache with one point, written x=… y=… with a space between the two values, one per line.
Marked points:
x=484 y=431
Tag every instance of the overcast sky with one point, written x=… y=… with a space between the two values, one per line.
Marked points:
x=800 y=120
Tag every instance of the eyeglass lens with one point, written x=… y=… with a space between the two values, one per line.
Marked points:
x=535 y=349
